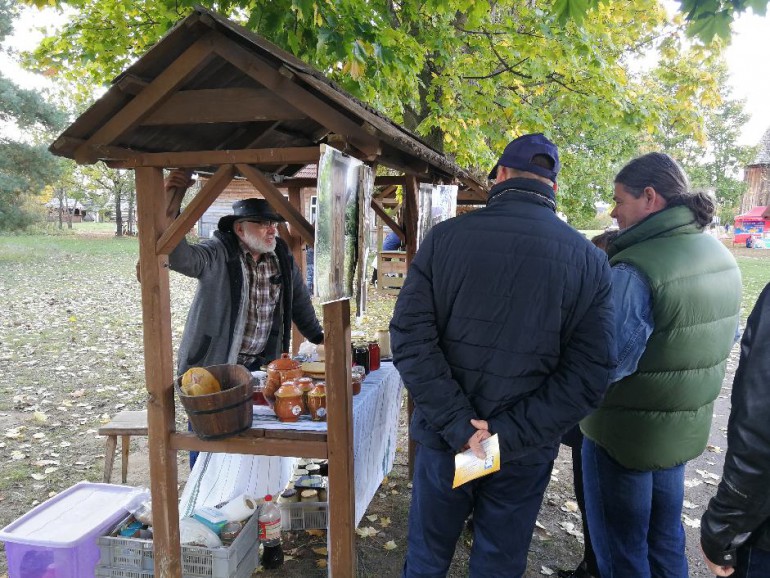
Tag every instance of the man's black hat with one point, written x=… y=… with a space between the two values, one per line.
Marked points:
x=249 y=210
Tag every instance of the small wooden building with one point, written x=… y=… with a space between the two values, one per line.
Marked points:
x=757 y=175
x=213 y=97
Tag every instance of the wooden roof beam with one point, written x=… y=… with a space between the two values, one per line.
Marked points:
x=388 y=220
x=284 y=86
x=265 y=186
x=272 y=156
x=222 y=106
x=194 y=211
x=187 y=64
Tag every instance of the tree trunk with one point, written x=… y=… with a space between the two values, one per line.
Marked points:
x=118 y=214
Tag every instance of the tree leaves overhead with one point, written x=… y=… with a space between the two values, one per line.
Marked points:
x=466 y=75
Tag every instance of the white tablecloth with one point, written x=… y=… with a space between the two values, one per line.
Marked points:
x=217 y=478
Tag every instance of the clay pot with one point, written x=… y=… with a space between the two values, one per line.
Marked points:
x=288 y=402
x=282 y=369
x=305 y=384
x=316 y=401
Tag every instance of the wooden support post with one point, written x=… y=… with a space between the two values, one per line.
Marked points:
x=410 y=230
x=295 y=244
x=159 y=372
x=339 y=402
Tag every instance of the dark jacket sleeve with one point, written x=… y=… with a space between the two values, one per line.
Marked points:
x=417 y=356
x=742 y=502
x=576 y=387
x=302 y=312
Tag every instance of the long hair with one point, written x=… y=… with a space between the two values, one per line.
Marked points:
x=662 y=173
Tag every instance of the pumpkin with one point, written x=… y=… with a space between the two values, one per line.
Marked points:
x=199 y=381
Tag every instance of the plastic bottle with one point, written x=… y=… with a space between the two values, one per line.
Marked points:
x=270 y=534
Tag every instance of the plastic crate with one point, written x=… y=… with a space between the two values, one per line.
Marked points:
x=245 y=569
x=304 y=515
x=60 y=534
x=134 y=558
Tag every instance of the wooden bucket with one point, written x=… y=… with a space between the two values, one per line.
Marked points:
x=224 y=413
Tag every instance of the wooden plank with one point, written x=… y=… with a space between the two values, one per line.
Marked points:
x=194 y=211
x=159 y=372
x=297 y=96
x=395 y=227
x=193 y=159
x=410 y=217
x=223 y=105
x=339 y=405
x=410 y=228
x=186 y=64
x=251 y=443
x=295 y=244
x=279 y=202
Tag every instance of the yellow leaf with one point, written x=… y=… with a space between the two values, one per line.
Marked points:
x=321 y=563
x=384 y=522
x=72 y=319
x=372 y=518
x=316 y=532
x=366 y=532
x=321 y=551
x=390 y=545
x=40 y=417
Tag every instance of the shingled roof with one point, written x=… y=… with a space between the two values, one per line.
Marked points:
x=212 y=85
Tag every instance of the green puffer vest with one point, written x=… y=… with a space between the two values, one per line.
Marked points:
x=660 y=416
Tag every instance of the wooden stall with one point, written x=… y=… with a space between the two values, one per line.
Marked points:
x=213 y=97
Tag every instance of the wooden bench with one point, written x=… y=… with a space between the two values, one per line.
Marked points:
x=125 y=424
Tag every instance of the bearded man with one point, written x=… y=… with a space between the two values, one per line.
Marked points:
x=249 y=290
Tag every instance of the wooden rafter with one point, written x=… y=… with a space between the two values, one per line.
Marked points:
x=152 y=96
x=299 y=98
x=395 y=227
x=271 y=156
x=222 y=105
x=194 y=211
x=279 y=202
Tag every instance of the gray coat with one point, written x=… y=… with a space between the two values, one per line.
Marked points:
x=214 y=328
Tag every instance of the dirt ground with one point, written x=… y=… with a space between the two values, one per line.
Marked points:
x=71 y=342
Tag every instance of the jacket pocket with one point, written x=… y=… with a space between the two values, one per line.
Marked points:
x=199 y=353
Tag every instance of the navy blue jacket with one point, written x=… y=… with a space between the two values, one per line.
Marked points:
x=506 y=315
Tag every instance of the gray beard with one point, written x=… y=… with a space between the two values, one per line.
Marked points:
x=258 y=245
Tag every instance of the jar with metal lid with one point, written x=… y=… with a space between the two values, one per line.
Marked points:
x=288 y=496
x=361 y=355
x=309 y=496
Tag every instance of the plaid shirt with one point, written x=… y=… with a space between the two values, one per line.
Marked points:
x=263 y=297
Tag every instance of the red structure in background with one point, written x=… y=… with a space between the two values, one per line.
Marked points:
x=755 y=224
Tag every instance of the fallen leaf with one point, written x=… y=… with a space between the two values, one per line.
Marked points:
x=570 y=506
x=321 y=551
x=320 y=563
x=366 y=532
x=372 y=518
x=689 y=505
x=546 y=571
x=390 y=545
x=567 y=526
x=692 y=522
x=384 y=522
x=715 y=449
x=40 y=417
x=315 y=532
x=78 y=393
x=37 y=477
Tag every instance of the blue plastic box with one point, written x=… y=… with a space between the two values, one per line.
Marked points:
x=58 y=537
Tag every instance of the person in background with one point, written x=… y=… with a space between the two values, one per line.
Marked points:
x=249 y=290
x=735 y=530
x=588 y=567
x=504 y=326
x=677 y=298
x=391 y=242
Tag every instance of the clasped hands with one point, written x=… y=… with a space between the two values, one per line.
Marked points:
x=482 y=433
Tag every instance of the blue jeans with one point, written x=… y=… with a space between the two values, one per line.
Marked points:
x=753 y=562
x=504 y=506
x=635 y=517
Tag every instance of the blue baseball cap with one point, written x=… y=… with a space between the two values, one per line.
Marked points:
x=520 y=152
